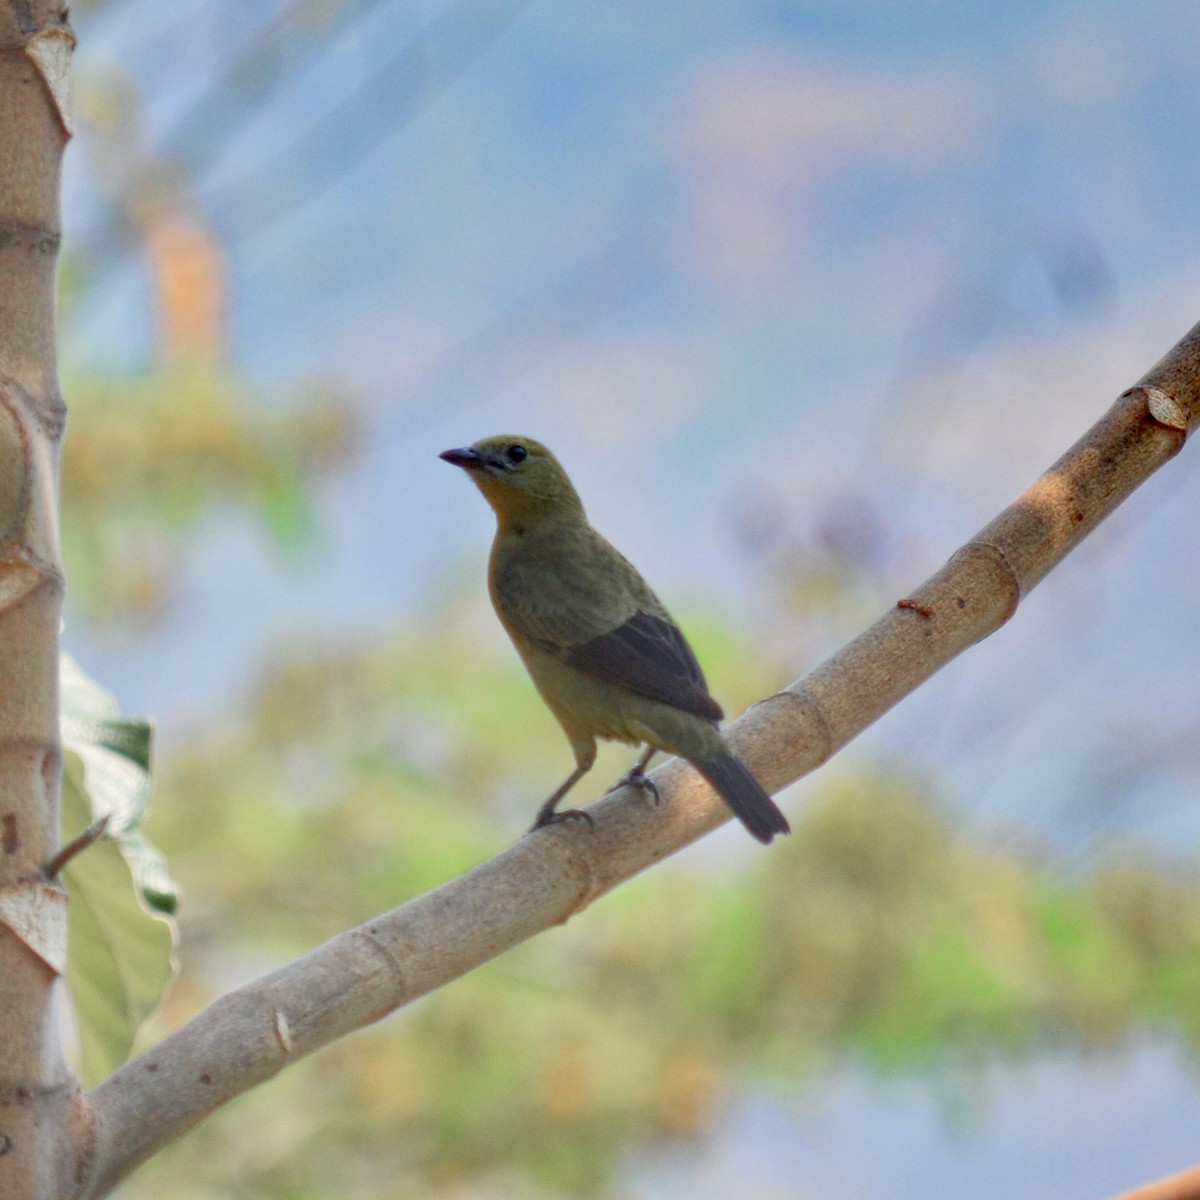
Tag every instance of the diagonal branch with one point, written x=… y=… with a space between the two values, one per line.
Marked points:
x=547 y=877
x=1184 y=1186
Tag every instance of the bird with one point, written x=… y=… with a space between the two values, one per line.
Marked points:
x=601 y=648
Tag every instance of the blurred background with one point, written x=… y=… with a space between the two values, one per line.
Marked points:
x=801 y=295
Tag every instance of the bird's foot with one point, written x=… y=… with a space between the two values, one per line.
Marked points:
x=552 y=817
x=635 y=777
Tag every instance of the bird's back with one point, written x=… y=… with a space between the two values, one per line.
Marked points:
x=563 y=583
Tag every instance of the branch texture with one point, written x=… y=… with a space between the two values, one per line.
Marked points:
x=548 y=876
x=39 y=1097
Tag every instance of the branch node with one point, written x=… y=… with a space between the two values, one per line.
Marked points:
x=996 y=554
x=591 y=889
x=1165 y=410
x=816 y=717
x=283 y=1031
x=577 y=844
x=395 y=970
x=921 y=609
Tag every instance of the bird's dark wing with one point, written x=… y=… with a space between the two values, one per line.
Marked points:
x=650 y=656
x=575 y=596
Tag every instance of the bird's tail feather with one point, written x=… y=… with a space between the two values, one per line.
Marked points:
x=745 y=795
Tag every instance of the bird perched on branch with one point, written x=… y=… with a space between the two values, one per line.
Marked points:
x=600 y=646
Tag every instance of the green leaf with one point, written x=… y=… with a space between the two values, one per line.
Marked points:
x=121 y=940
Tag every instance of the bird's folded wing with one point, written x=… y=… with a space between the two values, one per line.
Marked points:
x=650 y=656
x=645 y=653
x=596 y=613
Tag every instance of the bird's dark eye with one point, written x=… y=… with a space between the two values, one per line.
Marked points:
x=516 y=454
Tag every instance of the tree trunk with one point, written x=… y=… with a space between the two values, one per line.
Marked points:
x=40 y=1102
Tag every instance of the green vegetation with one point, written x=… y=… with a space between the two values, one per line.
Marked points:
x=149 y=456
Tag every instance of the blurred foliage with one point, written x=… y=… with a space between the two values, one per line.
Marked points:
x=148 y=456
x=365 y=773
x=121 y=941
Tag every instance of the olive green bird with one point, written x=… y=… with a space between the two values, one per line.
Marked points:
x=600 y=646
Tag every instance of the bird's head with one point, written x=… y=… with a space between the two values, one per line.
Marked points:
x=518 y=477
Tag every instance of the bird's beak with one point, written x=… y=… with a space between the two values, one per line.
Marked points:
x=465 y=457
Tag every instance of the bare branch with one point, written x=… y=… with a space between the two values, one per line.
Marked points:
x=77 y=845
x=550 y=875
x=1184 y=1186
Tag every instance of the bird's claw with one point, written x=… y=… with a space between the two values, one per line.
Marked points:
x=568 y=814
x=635 y=777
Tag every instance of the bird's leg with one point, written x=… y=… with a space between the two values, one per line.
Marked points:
x=547 y=815
x=636 y=776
